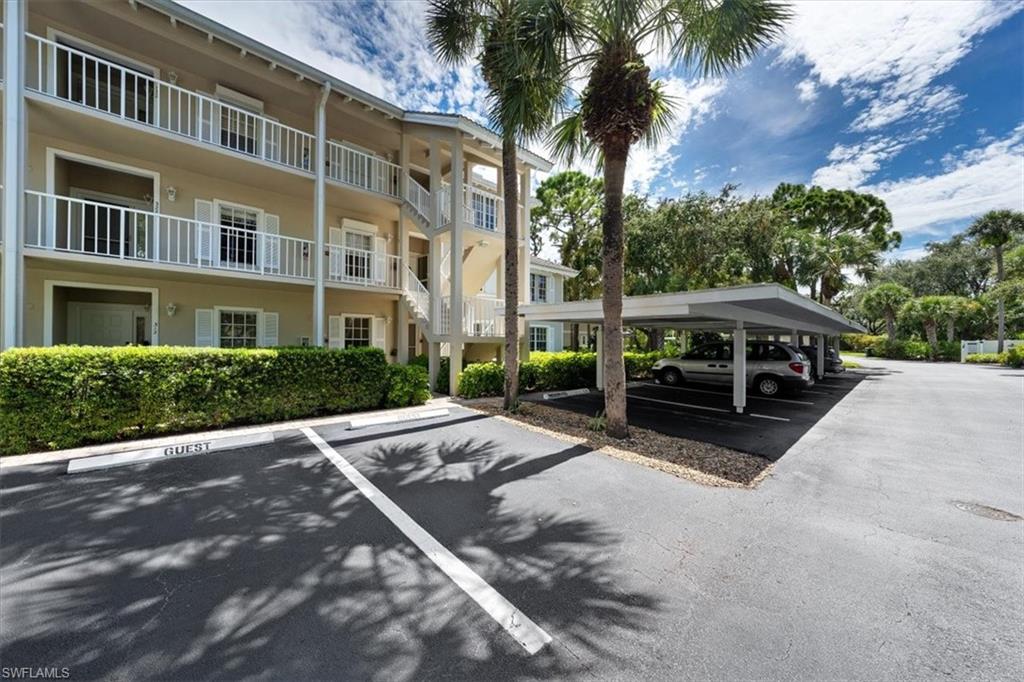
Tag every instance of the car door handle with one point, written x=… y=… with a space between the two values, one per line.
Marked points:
x=723 y=366
x=711 y=364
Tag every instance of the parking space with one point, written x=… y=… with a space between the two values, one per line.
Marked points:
x=704 y=412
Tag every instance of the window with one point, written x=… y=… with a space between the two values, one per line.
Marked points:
x=358 y=255
x=93 y=78
x=357 y=331
x=238 y=120
x=238 y=235
x=708 y=352
x=539 y=338
x=776 y=353
x=538 y=288
x=238 y=328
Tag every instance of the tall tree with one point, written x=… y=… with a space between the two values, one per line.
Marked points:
x=928 y=312
x=849 y=232
x=622 y=106
x=521 y=48
x=885 y=300
x=995 y=230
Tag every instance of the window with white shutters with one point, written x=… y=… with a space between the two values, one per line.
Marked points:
x=538 y=338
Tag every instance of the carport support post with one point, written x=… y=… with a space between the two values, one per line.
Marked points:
x=794 y=338
x=599 y=342
x=739 y=367
x=821 y=357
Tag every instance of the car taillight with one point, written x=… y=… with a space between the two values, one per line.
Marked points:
x=797 y=367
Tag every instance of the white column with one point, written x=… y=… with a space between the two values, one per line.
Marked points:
x=320 y=217
x=15 y=124
x=403 y=306
x=455 y=259
x=433 y=363
x=739 y=368
x=794 y=338
x=600 y=358
x=821 y=356
x=434 y=254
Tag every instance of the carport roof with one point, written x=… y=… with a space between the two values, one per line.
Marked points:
x=761 y=307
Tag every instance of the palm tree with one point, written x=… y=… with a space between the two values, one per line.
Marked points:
x=885 y=301
x=927 y=311
x=521 y=48
x=621 y=106
x=995 y=230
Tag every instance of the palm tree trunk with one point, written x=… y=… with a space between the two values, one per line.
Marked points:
x=1000 y=309
x=950 y=329
x=612 y=254
x=890 y=324
x=510 y=193
x=574 y=342
x=931 y=330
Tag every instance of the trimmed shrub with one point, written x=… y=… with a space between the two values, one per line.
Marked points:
x=1014 y=357
x=482 y=379
x=406 y=385
x=858 y=343
x=548 y=372
x=901 y=350
x=987 y=359
x=68 y=396
x=442 y=378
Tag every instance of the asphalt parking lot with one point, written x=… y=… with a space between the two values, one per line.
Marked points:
x=769 y=427
x=873 y=552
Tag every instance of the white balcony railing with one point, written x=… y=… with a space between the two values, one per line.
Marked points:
x=480 y=316
x=364 y=268
x=354 y=167
x=89 y=81
x=481 y=209
x=92 y=228
x=418 y=196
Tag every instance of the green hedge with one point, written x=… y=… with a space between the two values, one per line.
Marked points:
x=68 y=396
x=548 y=372
x=859 y=343
x=912 y=349
x=986 y=359
x=406 y=385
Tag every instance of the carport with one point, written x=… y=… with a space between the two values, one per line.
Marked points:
x=756 y=309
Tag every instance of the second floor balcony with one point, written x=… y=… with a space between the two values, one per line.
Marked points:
x=68 y=225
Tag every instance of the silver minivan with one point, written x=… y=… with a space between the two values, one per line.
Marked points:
x=771 y=367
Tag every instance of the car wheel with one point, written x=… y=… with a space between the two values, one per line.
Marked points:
x=671 y=377
x=768 y=386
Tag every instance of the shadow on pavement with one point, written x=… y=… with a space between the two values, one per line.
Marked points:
x=267 y=564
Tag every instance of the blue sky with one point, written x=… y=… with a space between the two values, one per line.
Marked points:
x=919 y=102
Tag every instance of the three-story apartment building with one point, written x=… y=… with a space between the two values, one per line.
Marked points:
x=170 y=181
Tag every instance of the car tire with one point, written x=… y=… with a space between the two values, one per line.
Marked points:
x=767 y=386
x=670 y=376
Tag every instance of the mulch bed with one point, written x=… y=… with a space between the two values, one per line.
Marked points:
x=693 y=460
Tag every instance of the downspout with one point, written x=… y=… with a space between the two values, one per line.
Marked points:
x=319 y=215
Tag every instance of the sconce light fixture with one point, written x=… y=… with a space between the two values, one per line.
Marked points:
x=171 y=309
x=172 y=193
x=173 y=78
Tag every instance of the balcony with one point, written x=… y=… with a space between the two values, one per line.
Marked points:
x=482 y=210
x=88 y=81
x=482 y=316
x=349 y=166
x=359 y=267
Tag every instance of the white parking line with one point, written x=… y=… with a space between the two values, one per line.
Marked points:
x=726 y=395
x=529 y=635
x=675 y=404
x=768 y=416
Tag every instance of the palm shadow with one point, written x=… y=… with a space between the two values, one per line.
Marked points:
x=266 y=563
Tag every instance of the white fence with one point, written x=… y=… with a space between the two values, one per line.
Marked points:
x=986 y=346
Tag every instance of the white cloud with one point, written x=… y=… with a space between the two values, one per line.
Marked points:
x=694 y=103
x=380 y=49
x=852 y=164
x=978 y=180
x=890 y=52
x=807 y=90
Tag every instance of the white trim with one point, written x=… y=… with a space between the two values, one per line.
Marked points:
x=364 y=316
x=104 y=197
x=73 y=41
x=359 y=226
x=49 y=284
x=238 y=99
x=53 y=153
x=219 y=203
x=218 y=309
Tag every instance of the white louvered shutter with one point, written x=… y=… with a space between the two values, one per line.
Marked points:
x=335 y=238
x=269 y=333
x=380 y=261
x=380 y=338
x=271 y=242
x=209 y=120
x=205 y=231
x=334 y=331
x=204 y=327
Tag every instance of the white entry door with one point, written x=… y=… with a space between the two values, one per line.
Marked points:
x=105 y=324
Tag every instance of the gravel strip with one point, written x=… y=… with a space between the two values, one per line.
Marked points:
x=702 y=463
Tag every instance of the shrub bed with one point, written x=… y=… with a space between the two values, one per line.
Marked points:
x=987 y=359
x=859 y=343
x=548 y=372
x=67 y=396
x=911 y=349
